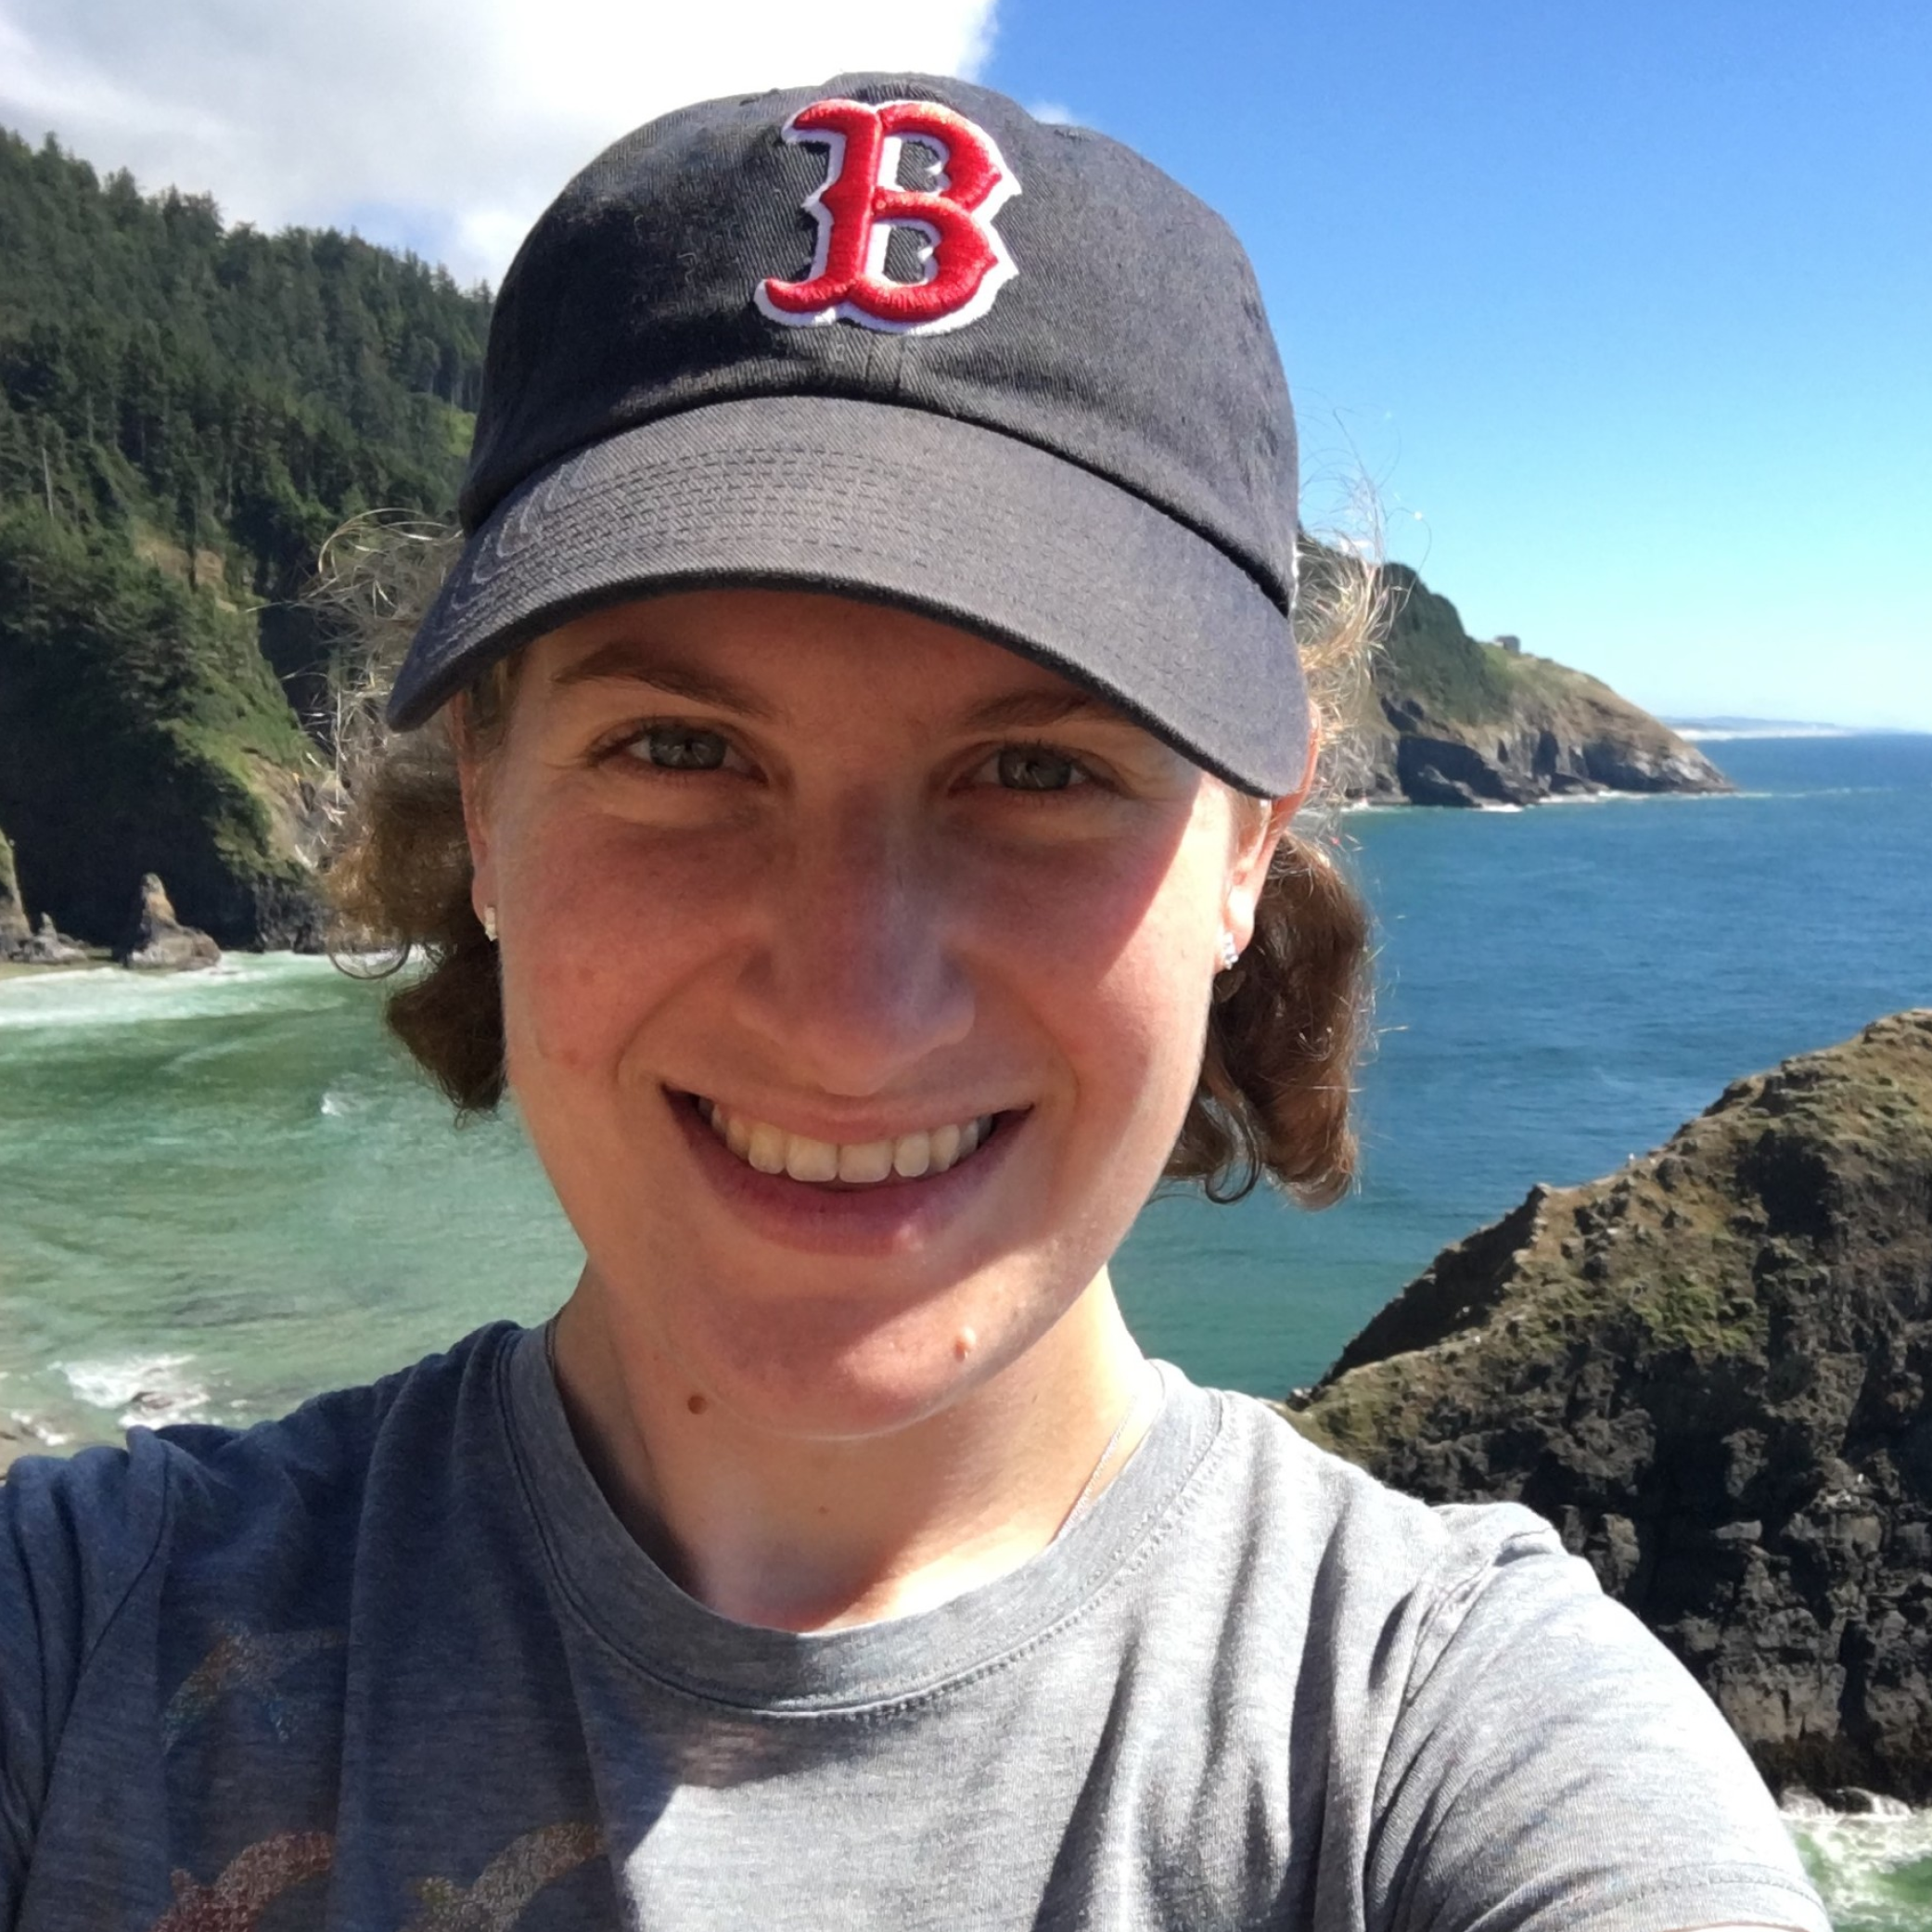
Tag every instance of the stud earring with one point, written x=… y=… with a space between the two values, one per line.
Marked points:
x=490 y=924
x=1230 y=953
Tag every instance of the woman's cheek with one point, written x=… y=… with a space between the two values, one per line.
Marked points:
x=1130 y=1019
x=1158 y=989
x=620 y=921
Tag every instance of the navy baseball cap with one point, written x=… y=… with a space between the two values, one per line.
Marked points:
x=893 y=338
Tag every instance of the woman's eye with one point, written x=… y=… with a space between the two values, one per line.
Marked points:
x=680 y=747
x=1035 y=768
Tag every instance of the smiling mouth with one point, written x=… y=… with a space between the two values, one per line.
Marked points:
x=909 y=1156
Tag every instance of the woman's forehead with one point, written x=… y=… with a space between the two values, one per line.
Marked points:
x=765 y=652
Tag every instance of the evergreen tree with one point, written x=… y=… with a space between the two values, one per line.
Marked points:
x=186 y=411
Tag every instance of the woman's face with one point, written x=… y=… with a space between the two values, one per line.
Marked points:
x=798 y=898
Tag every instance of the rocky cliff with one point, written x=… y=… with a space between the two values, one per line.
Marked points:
x=141 y=731
x=15 y=929
x=1449 y=720
x=1711 y=1372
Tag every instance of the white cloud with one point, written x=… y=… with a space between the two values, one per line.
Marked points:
x=1056 y=111
x=447 y=124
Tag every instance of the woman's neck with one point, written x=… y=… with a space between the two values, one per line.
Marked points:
x=815 y=1532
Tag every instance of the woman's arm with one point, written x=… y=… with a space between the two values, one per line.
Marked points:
x=1554 y=1766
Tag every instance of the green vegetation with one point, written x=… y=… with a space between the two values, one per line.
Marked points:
x=1429 y=656
x=186 y=411
x=138 y=720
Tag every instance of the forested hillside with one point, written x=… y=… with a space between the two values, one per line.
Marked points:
x=186 y=411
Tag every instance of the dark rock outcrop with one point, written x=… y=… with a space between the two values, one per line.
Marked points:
x=19 y=943
x=14 y=928
x=157 y=941
x=1711 y=1372
x=44 y=946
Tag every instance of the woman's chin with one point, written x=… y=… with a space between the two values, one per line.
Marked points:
x=836 y=1369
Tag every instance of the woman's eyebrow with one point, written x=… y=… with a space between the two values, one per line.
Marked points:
x=624 y=658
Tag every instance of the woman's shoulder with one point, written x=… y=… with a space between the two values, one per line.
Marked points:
x=1492 y=1718
x=1311 y=1511
x=1299 y=1551
x=97 y=1520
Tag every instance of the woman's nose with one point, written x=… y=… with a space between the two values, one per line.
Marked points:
x=857 y=977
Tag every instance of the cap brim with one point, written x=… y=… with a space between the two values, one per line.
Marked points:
x=896 y=504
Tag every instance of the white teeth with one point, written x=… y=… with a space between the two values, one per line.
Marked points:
x=766 y=1151
x=808 y=1160
x=868 y=1160
x=773 y=1151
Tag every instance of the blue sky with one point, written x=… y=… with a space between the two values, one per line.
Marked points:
x=1625 y=311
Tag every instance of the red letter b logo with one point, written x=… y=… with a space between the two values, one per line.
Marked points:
x=861 y=203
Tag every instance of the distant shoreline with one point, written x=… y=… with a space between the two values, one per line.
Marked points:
x=1727 y=734
x=1717 y=731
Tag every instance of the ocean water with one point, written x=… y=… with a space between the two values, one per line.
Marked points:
x=221 y=1192
x=1559 y=988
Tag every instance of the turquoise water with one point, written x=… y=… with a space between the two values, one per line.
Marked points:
x=221 y=1192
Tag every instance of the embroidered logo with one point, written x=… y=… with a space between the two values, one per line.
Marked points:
x=862 y=202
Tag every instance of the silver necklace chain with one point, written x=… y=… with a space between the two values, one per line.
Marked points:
x=1091 y=1488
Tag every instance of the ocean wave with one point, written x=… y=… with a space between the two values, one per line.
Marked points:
x=148 y=1390
x=105 y=996
x=1873 y=1869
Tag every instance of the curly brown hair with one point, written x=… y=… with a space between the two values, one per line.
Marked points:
x=1285 y=1024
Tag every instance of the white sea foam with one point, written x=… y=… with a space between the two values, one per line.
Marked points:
x=106 y=996
x=36 y=1429
x=149 y=1391
x=1874 y=1869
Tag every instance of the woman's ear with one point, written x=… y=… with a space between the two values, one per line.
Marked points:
x=472 y=775
x=1261 y=826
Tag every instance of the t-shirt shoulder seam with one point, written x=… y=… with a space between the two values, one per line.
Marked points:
x=1454 y=1581
x=164 y=1517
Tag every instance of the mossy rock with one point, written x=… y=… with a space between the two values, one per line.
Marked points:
x=1711 y=1370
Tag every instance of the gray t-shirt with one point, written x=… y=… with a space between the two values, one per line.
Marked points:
x=392 y=1663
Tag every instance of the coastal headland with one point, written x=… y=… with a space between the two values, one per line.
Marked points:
x=1711 y=1370
x=1446 y=719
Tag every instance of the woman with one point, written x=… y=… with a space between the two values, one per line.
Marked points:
x=858 y=748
